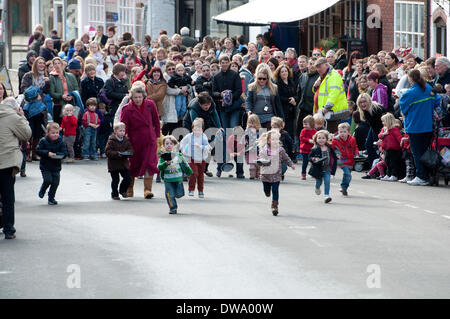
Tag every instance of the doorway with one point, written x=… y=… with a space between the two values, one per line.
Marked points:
x=59 y=18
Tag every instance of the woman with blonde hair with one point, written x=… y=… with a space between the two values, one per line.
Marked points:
x=370 y=112
x=263 y=98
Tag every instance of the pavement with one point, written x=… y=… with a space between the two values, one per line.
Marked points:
x=385 y=240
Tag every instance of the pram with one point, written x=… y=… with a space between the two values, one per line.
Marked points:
x=441 y=144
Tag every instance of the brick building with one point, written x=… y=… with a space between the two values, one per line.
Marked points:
x=401 y=23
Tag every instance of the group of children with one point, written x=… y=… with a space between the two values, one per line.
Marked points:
x=90 y=129
x=264 y=152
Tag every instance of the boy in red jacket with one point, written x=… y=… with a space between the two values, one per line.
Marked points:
x=91 y=123
x=69 y=126
x=346 y=149
x=306 y=141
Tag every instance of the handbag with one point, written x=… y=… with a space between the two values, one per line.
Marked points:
x=103 y=97
x=430 y=159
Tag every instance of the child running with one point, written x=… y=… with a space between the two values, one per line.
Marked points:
x=277 y=123
x=172 y=172
x=195 y=148
x=271 y=156
x=324 y=162
x=118 y=149
x=306 y=142
x=251 y=145
x=52 y=150
x=346 y=149
x=236 y=148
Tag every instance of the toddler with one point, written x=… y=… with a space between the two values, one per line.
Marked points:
x=319 y=122
x=251 y=144
x=324 y=162
x=346 y=149
x=91 y=122
x=306 y=141
x=172 y=172
x=389 y=140
x=116 y=148
x=52 y=150
x=105 y=129
x=277 y=124
x=69 y=125
x=178 y=80
x=195 y=148
x=271 y=156
x=378 y=168
x=236 y=148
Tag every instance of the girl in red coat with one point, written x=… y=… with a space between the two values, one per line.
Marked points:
x=390 y=138
x=346 y=149
x=306 y=141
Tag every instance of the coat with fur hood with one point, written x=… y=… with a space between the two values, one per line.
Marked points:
x=13 y=128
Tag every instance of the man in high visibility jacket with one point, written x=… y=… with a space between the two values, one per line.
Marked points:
x=332 y=97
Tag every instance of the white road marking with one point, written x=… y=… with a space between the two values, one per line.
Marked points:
x=302 y=227
x=316 y=243
x=395 y=202
x=361 y=192
x=5 y=272
x=410 y=206
x=445 y=216
x=430 y=211
x=377 y=197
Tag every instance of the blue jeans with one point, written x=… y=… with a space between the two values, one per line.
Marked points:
x=89 y=142
x=346 y=178
x=274 y=187
x=173 y=190
x=419 y=143
x=180 y=104
x=371 y=149
x=326 y=179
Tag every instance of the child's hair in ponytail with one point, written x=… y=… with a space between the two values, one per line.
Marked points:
x=265 y=138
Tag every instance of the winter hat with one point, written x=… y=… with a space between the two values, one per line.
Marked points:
x=74 y=64
x=31 y=93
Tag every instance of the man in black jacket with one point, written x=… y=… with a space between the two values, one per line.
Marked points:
x=306 y=94
x=442 y=66
x=204 y=82
x=26 y=67
x=227 y=90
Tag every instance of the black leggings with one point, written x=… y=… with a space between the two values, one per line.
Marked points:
x=392 y=160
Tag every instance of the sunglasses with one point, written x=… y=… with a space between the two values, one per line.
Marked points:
x=171 y=69
x=262 y=79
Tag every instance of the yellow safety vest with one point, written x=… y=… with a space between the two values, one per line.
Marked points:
x=332 y=95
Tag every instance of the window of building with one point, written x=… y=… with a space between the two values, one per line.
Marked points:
x=345 y=16
x=215 y=7
x=409 y=26
x=127 y=15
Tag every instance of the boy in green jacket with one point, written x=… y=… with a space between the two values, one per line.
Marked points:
x=172 y=172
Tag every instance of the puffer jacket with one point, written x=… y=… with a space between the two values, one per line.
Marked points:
x=45 y=146
x=392 y=140
x=13 y=128
x=346 y=150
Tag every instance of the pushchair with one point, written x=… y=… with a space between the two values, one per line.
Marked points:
x=441 y=145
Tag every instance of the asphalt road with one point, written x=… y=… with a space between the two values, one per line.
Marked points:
x=386 y=240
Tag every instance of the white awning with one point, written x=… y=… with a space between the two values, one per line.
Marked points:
x=265 y=12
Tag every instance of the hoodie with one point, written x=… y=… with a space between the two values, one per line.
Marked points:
x=380 y=95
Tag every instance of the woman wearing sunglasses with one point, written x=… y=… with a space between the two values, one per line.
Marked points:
x=263 y=98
